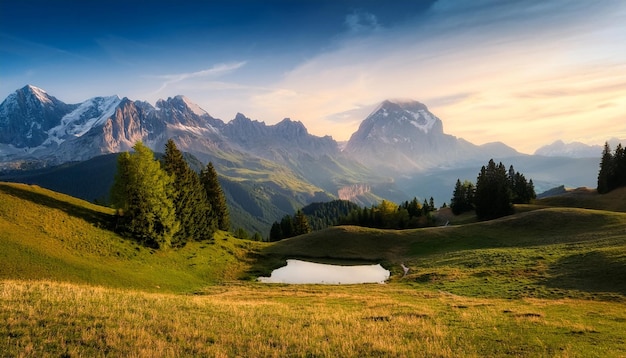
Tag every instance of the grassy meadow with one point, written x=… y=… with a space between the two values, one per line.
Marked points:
x=548 y=281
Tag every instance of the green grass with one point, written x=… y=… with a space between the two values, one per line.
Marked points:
x=46 y=235
x=548 y=281
x=255 y=320
x=550 y=253
x=589 y=199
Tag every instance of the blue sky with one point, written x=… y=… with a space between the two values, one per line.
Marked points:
x=522 y=72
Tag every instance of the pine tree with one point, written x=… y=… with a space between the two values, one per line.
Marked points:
x=300 y=224
x=606 y=170
x=287 y=227
x=209 y=180
x=193 y=209
x=493 y=196
x=619 y=162
x=276 y=233
x=142 y=193
x=462 y=197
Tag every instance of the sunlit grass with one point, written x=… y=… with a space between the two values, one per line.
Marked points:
x=545 y=282
x=47 y=318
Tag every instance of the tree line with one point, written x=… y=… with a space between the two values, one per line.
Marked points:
x=290 y=226
x=612 y=172
x=166 y=203
x=495 y=192
x=389 y=215
x=386 y=215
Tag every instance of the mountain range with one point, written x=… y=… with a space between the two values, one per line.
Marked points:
x=399 y=151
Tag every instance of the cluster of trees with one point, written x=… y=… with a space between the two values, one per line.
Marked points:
x=388 y=215
x=165 y=204
x=323 y=215
x=290 y=226
x=494 y=194
x=612 y=169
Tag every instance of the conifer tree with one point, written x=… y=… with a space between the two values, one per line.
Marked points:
x=300 y=224
x=462 y=197
x=193 y=209
x=606 y=170
x=493 y=196
x=276 y=233
x=215 y=194
x=143 y=196
x=287 y=227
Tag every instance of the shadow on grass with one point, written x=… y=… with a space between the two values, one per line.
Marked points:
x=96 y=218
x=592 y=272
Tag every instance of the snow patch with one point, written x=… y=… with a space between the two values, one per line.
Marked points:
x=89 y=114
x=423 y=120
x=195 y=130
x=194 y=107
x=41 y=95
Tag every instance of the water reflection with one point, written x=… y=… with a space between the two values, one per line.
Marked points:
x=298 y=271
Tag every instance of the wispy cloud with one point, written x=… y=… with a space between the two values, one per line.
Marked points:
x=496 y=65
x=216 y=71
x=360 y=21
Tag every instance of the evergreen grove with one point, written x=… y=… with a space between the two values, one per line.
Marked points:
x=612 y=172
x=386 y=215
x=494 y=194
x=165 y=204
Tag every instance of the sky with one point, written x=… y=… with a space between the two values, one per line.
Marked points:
x=523 y=72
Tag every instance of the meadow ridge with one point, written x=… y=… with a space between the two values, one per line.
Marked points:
x=548 y=281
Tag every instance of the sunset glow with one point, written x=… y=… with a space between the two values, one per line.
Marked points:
x=522 y=72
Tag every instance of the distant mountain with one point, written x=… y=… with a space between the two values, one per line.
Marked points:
x=575 y=149
x=399 y=151
x=404 y=136
x=570 y=150
x=268 y=170
x=28 y=114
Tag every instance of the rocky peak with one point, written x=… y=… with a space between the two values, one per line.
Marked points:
x=290 y=129
x=27 y=114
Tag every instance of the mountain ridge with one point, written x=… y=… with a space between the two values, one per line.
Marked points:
x=398 y=146
x=406 y=137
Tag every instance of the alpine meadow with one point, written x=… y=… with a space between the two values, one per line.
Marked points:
x=416 y=178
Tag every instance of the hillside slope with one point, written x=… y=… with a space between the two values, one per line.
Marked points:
x=47 y=235
x=589 y=199
x=550 y=252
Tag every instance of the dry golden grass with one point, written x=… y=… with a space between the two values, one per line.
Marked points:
x=254 y=320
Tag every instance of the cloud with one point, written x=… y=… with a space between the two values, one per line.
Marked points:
x=496 y=65
x=361 y=21
x=217 y=70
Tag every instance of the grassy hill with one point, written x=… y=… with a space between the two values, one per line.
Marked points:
x=47 y=235
x=589 y=199
x=540 y=252
x=549 y=281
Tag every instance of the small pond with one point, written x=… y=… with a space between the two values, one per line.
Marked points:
x=302 y=272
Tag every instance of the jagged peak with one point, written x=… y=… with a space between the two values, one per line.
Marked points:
x=37 y=92
x=241 y=117
x=294 y=127
x=181 y=103
x=290 y=122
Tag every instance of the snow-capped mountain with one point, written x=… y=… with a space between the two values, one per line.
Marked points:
x=570 y=150
x=405 y=136
x=87 y=115
x=28 y=114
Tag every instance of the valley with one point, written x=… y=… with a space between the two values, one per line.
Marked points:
x=546 y=281
x=400 y=151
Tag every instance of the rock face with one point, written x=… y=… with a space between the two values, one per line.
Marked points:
x=570 y=150
x=404 y=136
x=28 y=114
